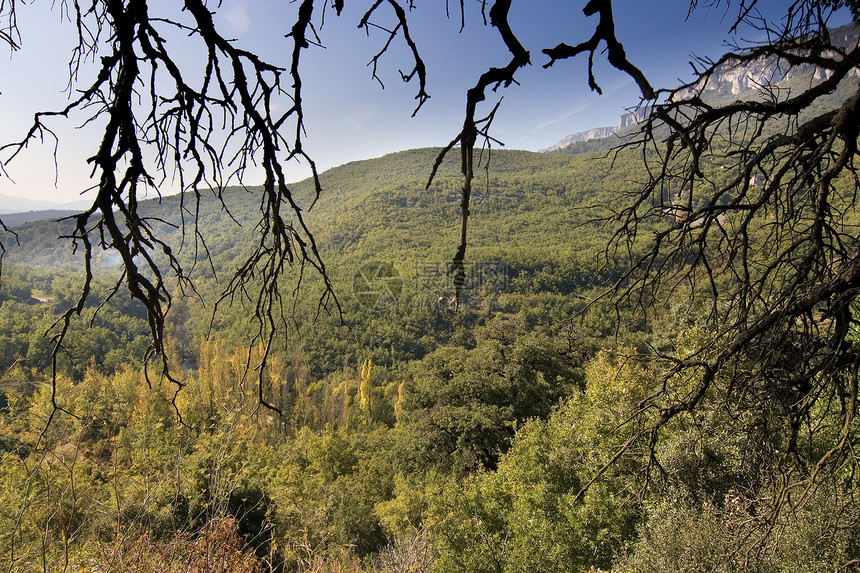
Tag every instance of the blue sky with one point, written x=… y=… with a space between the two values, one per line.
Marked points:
x=348 y=116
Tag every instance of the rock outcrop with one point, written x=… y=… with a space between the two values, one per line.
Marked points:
x=733 y=81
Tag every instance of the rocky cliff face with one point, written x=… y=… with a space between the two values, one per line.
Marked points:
x=627 y=121
x=588 y=135
x=732 y=81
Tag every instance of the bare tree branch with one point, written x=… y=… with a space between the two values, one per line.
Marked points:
x=603 y=32
x=472 y=128
x=750 y=207
x=419 y=70
x=182 y=123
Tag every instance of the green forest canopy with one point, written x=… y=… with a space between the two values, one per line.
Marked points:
x=700 y=414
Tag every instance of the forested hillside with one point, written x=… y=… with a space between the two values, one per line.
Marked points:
x=534 y=229
x=400 y=393
x=403 y=434
x=639 y=354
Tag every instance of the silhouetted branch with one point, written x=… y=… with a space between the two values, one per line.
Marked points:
x=419 y=70
x=749 y=207
x=603 y=32
x=9 y=33
x=183 y=124
x=472 y=128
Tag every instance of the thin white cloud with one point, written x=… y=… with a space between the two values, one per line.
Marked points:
x=612 y=88
x=617 y=85
x=233 y=15
x=573 y=111
x=357 y=114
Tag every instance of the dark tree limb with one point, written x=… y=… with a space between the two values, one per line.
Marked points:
x=750 y=207
x=603 y=32
x=473 y=128
x=183 y=124
x=419 y=69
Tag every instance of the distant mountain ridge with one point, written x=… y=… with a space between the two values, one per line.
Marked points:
x=380 y=208
x=12 y=220
x=13 y=204
x=733 y=81
x=625 y=122
x=729 y=83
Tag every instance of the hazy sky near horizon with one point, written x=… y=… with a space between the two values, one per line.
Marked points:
x=348 y=116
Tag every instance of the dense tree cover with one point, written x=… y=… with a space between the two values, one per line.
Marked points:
x=209 y=123
x=31 y=301
x=350 y=479
x=413 y=435
x=505 y=432
x=330 y=477
x=377 y=210
x=378 y=414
